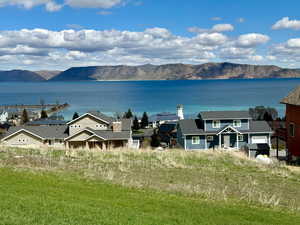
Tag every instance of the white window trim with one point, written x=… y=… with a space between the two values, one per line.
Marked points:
x=239 y=123
x=197 y=141
x=218 y=124
x=293 y=124
x=209 y=137
x=240 y=137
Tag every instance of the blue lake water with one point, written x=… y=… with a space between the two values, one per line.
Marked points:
x=152 y=96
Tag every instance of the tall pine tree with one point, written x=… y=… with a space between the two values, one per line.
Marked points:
x=128 y=114
x=145 y=120
x=24 y=118
x=75 y=116
x=44 y=114
x=136 y=125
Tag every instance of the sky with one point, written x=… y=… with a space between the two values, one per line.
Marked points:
x=59 y=34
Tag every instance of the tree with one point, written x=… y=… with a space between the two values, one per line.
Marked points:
x=75 y=116
x=128 y=114
x=145 y=120
x=262 y=113
x=136 y=125
x=24 y=118
x=44 y=114
x=268 y=117
x=155 y=139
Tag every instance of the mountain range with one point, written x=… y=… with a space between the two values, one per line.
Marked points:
x=154 y=72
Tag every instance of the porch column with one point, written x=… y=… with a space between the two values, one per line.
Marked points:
x=67 y=145
x=205 y=142
x=87 y=145
x=220 y=141
x=237 y=140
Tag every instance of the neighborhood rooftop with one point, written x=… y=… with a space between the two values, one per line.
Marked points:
x=206 y=115
x=293 y=98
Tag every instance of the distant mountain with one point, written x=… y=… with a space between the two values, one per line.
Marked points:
x=20 y=76
x=153 y=72
x=48 y=74
x=175 y=72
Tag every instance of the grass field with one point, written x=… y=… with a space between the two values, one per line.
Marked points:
x=52 y=187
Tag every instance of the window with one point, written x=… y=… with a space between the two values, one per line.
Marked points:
x=292 y=130
x=237 y=123
x=216 y=124
x=195 y=140
x=210 y=138
x=241 y=138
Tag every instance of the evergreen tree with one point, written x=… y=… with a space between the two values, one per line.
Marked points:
x=75 y=116
x=24 y=118
x=145 y=120
x=128 y=114
x=44 y=114
x=136 y=125
x=155 y=140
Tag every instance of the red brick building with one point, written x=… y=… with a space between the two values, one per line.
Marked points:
x=292 y=102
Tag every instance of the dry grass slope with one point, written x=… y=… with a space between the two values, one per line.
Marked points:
x=212 y=176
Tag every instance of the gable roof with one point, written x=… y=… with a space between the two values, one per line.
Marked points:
x=165 y=116
x=44 y=132
x=42 y=122
x=191 y=126
x=97 y=115
x=293 y=97
x=210 y=115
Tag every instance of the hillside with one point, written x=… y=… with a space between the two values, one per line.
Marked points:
x=214 y=177
x=48 y=74
x=175 y=72
x=20 y=76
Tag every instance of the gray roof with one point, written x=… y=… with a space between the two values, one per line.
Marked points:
x=165 y=116
x=46 y=122
x=102 y=116
x=110 y=135
x=192 y=126
x=46 y=132
x=293 y=97
x=225 y=115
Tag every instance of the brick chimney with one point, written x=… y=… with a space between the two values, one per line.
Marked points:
x=117 y=126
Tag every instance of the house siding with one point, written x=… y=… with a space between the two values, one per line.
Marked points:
x=292 y=116
x=223 y=123
x=180 y=137
x=24 y=139
x=190 y=146
x=85 y=122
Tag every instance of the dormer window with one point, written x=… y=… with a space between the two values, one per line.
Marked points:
x=237 y=123
x=216 y=124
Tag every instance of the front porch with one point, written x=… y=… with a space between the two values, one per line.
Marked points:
x=96 y=145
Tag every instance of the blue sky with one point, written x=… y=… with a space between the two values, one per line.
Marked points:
x=58 y=34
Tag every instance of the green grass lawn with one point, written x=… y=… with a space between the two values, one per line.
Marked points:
x=28 y=197
x=144 y=187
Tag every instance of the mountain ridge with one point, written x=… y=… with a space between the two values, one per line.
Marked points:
x=175 y=71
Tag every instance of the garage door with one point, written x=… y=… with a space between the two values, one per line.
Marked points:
x=259 y=139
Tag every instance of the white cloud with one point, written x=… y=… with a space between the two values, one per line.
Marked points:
x=47 y=49
x=216 y=18
x=218 y=28
x=52 y=5
x=93 y=3
x=241 y=20
x=286 y=23
x=251 y=40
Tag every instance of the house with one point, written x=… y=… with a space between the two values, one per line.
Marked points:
x=3 y=117
x=222 y=129
x=92 y=130
x=292 y=102
x=166 y=117
x=168 y=133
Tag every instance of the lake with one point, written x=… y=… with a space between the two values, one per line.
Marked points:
x=152 y=96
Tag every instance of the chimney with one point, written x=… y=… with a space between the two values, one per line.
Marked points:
x=180 y=112
x=117 y=126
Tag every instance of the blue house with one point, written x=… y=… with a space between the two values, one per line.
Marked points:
x=222 y=129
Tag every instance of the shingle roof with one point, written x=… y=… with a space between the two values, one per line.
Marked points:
x=225 y=115
x=163 y=117
x=102 y=116
x=259 y=127
x=110 y=135
x=46 y=132
x=191 y=126
x=46 y=122
x=293 y=97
